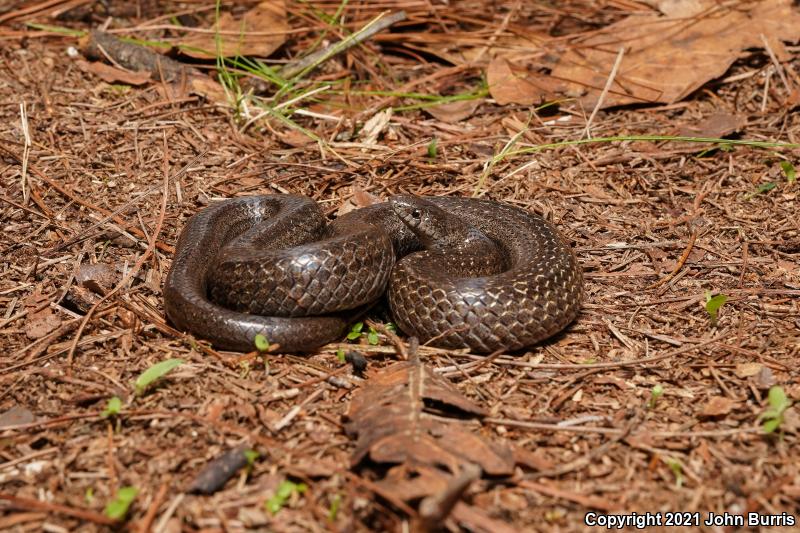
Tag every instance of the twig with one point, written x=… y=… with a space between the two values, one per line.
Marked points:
x=604 y=92
x=681 y=262
x=26 y=151
x=147 y=521
x=296 y=69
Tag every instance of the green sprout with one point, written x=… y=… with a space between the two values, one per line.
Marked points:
x=336 y=503
x=261 y=342
x=155 y=372
x=355 y=331
x=113 y=407
x=713 y=303
x=773 y=415
x=433 y=148
x=655 y=393
x=677 y=470
x=789 y=171
x=118 y=507
x=340 y=355
x=285 y=491
x=761 y=189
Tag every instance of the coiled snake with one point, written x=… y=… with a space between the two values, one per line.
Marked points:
x=460 y=272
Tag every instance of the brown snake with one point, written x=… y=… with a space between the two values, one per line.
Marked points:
x=460 y=272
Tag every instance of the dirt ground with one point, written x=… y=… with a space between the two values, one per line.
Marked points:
x=643 y=405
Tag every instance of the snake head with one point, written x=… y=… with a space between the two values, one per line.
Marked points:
x=436 y=228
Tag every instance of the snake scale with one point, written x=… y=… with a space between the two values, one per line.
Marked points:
x=458 y=272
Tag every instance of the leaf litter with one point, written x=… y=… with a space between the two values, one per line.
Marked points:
x=527 y=441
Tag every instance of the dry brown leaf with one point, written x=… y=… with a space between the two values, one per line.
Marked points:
x=15 y=416
x=718 y=406
x=40 y=324
x=99 y=277
x=509 y=84
x=668 y=57
x=453 y=112
x=259 y=32
x=111 y=74
x=400 y=418
x=746 y=370
x=715 y=125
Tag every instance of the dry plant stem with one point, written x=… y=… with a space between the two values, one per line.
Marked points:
x=136 y=267
x=290 y=70
x=37 y=505
x=610 y=81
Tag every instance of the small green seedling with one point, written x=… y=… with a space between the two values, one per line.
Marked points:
x=118 y=507
x=773 y=415
x=340 y=355
x=89 y=495
x=155 y=372
x=433 y=148
x=113 y=407
x=355 y=331
x=789 y=171
x=677 y=470
x=713 y=303
x=761 y=189
x=655 y=393
x=336 y=503
x=285 y=491
x=261 y=342
x=251 y=456
x=372 y=337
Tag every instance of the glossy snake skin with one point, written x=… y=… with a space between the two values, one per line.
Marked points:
x=490 y=277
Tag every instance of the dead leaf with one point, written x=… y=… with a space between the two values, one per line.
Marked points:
x=509 y=84
x=746 y=370
x=41 y=320
x=665 y=59
x=112 y=74
x=99 y=278
x=15 y=416
x=716 y=125
x=718 y=406
x=453 y=112
x=403 y=417
x=668 y=57
x=375 y=126
x=259 y=32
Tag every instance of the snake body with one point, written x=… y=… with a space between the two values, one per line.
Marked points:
x=460 y=272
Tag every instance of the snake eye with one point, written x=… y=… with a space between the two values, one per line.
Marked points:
x=416 y=213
